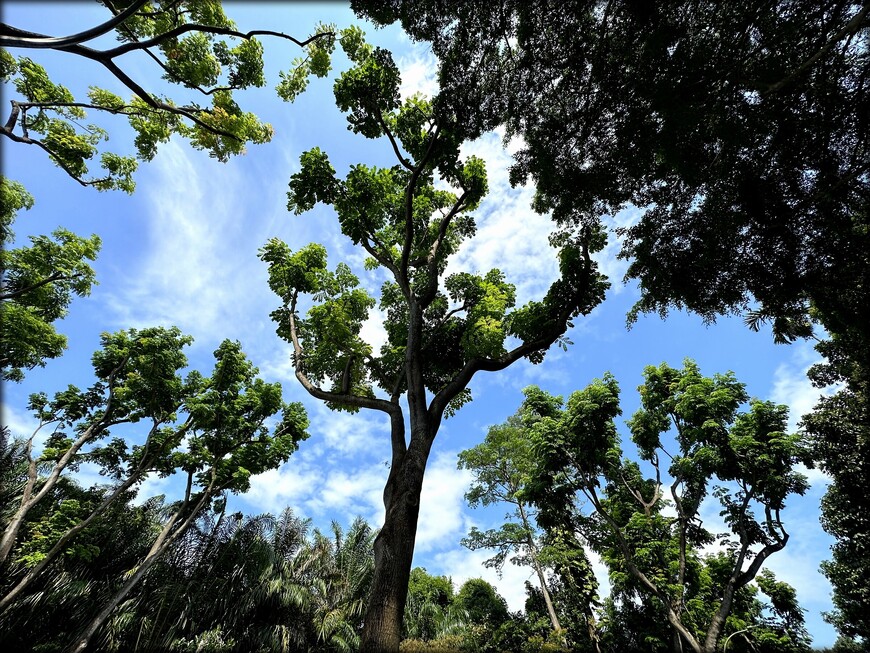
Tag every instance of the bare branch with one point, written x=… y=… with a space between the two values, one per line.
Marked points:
x=16 y=38
x=409 y=205
x=393 y=142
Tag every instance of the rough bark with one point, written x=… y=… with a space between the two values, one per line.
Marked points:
x=394 y=550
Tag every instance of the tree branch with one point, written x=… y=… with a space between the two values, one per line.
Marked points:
x=33 y=141
x=32 y=40
x=324 y=395
x=207 y=29
x=851 y=27
x=57 y=276
x=409 y=206
x=478 y=364
x=393 y=142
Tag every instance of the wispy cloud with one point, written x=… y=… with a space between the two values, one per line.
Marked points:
x=419 y=71
x=21 y=424
x=199 y=269
x=510 y=235
x=792 y=388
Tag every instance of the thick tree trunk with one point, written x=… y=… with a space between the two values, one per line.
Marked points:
x=394 y=552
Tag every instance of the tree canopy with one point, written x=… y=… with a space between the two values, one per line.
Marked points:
x=739 y=129
x=441 y=328
x=37 y=285
x=581 y=467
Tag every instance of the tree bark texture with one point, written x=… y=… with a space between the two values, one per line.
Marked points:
x=394 y=550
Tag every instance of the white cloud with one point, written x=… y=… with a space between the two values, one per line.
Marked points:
x=352 y=492
x=792 y=388
x=419 y=72
x=373 y=331
x=21 y=424
x=290 y=485
x=199 y=269
x=442 y=519
x=510 y=235
x=462 y=564
x=349 y=435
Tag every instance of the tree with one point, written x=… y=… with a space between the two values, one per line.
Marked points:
x=60 y=602
x=487 y=611
x=741 y=129
x=437 y=339
x=183 y=40
x=749 y=453
x=501 y=464
x=137 y=378
x=343 y=585
x=37 y=284
x=223 y=433
x=227 y=443
x=431 y=610
x=839 y=432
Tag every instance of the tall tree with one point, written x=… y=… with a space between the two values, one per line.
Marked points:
x=192 y=43
x=227 y=442
x=501 y=464
x=209 y=428
x=137 y=378
x=441 y=332
x=839 y=431
x=749 y=453
x=742 y=129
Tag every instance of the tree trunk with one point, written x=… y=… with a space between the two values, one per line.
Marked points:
x=533 y=551
x=62 y=542
x=168 y=534
x=394 y=551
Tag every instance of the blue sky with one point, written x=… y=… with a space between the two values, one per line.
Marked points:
x=182 y=251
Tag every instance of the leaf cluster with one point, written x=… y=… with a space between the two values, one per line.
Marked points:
x=195 y=46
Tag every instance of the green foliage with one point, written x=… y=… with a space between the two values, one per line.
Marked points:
x=317 y=61
x=409 y=228
x=578 y=453
x=501 y=466
x=42 y=535
x=38 y=285
x=431 y=611
x=231 y=582
x=192 y=51
x=482 y=602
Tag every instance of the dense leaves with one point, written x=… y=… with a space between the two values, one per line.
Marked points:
x=741 y=131
x=37 y=287
x=583 y=481
x=213 y=430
